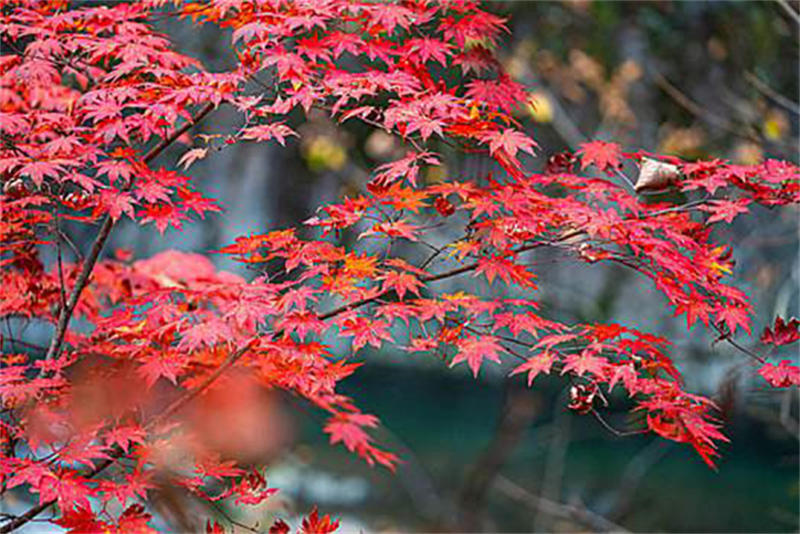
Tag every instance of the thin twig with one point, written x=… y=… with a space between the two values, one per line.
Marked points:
x=618 y=433
x=62 y=287
x=759 y=84
x=697 y=110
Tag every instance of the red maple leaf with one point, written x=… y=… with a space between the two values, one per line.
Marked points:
x=125 y=436
x=783 y=375
x=734 y=317
x=586 y=361
x=365 y=331
x=509 y=140
x=541 y=363
x=601 y=154
x=782 y=333
x=400 y=282
x=725 y=210
x=264 y=132
x=314 y=524
x=474 y=349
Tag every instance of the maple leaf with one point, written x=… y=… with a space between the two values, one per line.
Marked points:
x=264 y=132
x=124 y=437
x=248 y=32
x=163 y=216
x=494 y=266
x=502 y=93
x=301 y=322
x=400 y=282
x=365 y=331
x=67 y=488
x=207 y=333
x=783 y=375
x=518 y=323
x=135 y=519
x=81 y=519
x=134 y=487
x=161 y=366
x=782 y=333
x=541 y=363
x=406 y=167
x=115 y=203
x=695 y=307
x=725 y=210
x=629 y=376
x=152 y=191
x=349 y=430
x=393 y=229
x=701 y=434
x=586 y=361
x=552 y=340
x=197 y=202
x=190 y=156
x=314 y=524
x=510 y=141
x=39 y=170
x=404 y=198
x=360 y=265
x=115 y=169
x=602 y=154
x=427 y=48
x=604 y=332
x=474 y=349
x=734 y=317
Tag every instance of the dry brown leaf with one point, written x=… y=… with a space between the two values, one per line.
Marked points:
x=655 y=175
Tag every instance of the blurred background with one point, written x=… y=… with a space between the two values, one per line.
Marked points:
x=691 y=79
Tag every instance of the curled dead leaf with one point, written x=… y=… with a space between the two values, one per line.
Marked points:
x=655 y=175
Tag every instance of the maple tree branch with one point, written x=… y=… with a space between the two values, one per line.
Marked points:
x=759 y=84
x=566 y=511
x=744 y=131
x=790 y=11
x=619 y=433
x=89 y=262
x=726 y=336
x=62 y=287
x=221 y=510
x=474 y=265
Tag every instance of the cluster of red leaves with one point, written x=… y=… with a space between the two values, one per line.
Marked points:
x=89 y=97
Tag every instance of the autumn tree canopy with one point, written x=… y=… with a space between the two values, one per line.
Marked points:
x=90 y=98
